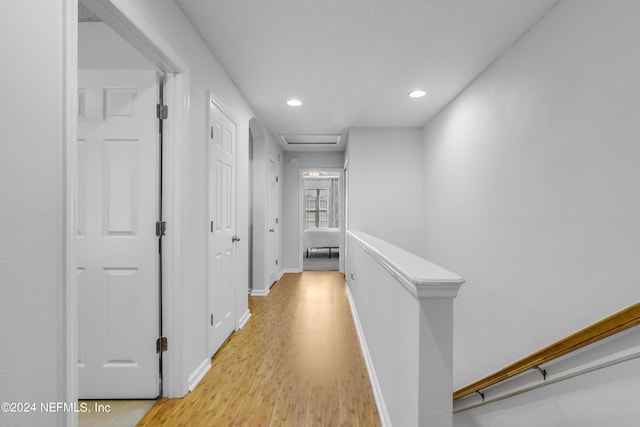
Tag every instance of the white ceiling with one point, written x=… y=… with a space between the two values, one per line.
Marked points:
x=352 y=62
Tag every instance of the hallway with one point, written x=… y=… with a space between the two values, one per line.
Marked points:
x=297 y=362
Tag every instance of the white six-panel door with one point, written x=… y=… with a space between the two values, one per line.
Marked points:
x=118 y=205
x=221 y=259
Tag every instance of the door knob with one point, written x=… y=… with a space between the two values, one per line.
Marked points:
x=235 y=239
x=271 y=230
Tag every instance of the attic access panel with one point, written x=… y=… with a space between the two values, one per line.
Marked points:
x=310 y=139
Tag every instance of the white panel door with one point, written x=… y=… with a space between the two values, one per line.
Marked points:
x=118 y=199
x=221 y=259
x=272 y=222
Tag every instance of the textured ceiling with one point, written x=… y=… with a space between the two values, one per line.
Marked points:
x=352 y=62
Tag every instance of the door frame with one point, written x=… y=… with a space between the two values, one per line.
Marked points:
x=129 y=24
x=301 y=200
x=271 y=242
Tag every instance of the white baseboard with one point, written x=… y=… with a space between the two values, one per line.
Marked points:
x=289 y=270
x=265 y=292
x=244 y=319
x=375 y=385
x=199 y=373
x=259 y=292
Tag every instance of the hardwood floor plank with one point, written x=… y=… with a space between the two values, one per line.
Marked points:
x=297 y=362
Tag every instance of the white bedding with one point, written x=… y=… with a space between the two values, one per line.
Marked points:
x=321 y=238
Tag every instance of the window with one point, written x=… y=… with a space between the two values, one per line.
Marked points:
x=316 y=208
x=321 y=203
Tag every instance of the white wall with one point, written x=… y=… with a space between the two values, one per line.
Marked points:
x=265 y=147
x=206 y=74
x=101 y=48
x=599 y=398
x=388 y=321
x=531 y=190
x=403 y=310
x=292 y=204
x=32 y=212
x=33 y=364
x=386 y=185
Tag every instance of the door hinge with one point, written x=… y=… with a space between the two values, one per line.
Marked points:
x=161 y=344
x=276 y=262
x=161 y=228
x=276 y=179
x=162 y=111
x=276 y=220
x=211 y=319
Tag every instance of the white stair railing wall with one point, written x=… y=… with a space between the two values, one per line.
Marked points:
x=403 y=310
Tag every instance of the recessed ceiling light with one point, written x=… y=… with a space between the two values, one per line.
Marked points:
x=417 y=93
x=294 y=102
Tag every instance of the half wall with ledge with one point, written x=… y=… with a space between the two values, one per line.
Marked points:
x=403 y=309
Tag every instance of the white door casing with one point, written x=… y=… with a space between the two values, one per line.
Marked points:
x=221 y=257
x=118 y=259
x=342 y=175
x=272 y=222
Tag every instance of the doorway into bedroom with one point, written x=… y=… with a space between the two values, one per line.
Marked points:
x=321 y=213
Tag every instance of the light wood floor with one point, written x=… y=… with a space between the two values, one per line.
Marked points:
x=297 y=362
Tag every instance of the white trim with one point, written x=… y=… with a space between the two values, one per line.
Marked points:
x=278 y=236
x=618 y=348
x=244 y=319
x=301 y=210
x=213 y=99
x=345 y=215
x=420 y=277
x=175 y=136
x=69 y=254
x=281 y=273
x=199 y=373
x=375 y=385
x=265 y=292
x=260 y=292
x=126 y=21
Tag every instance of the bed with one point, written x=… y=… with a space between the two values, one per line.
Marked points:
x=321 y=238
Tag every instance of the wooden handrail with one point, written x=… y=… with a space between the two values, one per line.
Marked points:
x=611 y=325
